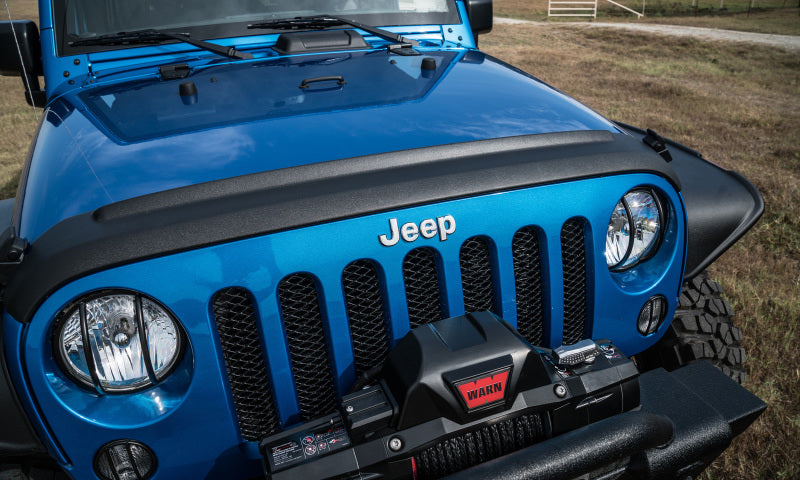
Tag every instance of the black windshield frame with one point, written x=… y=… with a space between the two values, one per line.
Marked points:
x=239 y=29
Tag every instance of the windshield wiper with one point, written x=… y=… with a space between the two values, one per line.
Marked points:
x=319 y=22
x=155 y=36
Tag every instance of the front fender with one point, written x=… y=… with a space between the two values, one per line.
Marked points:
x=721 y=205
x=17 y=437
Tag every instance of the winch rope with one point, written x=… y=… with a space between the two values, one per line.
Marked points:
x=484 y=444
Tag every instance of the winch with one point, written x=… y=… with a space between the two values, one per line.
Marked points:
x=455 y=393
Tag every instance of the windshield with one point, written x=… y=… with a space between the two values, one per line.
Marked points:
x=77 y=19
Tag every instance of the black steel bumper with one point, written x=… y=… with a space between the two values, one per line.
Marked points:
x=687 y=418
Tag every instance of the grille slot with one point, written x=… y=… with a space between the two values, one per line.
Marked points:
x=302 y=321
x=422 y=287
x=481 y=445
x=529 y=285
x=236 y=318
x=364 y=300
x=366 y=314
x=476 y=276
x=573 y=252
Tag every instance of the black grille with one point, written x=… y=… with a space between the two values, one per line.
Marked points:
x=364 y=299
x=573 y=251
x=529 y=285
x=366 y=315
x=422 y=287
x=302 y=320
x=486 y=443
x=476 y=276
x=244 y=362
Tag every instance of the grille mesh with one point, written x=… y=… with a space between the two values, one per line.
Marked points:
x=476 y=276
x=481 y=445
x=573 y=251
x=302 y=320
x=529 y=285
x=247 y=374
x=422 y=287
x=366 y=315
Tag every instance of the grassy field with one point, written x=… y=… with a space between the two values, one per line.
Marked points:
x=738 y=104
x=768 y=16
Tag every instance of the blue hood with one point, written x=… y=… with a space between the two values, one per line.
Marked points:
x=112 y=142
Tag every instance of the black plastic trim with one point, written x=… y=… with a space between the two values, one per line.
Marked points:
x=721 y=205
x=143 y=343
x=17 y=437
x=688 y=417
x=578 y=452
x=319 y=41
x=6 y=212
x=236 y=208
x=481 y=16
x=87 y=353
x=21 y=54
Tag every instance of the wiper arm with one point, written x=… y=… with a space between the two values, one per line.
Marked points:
x=322 y=21
x=155 y=36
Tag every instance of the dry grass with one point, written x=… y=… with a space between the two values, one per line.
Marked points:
x=21 y=9
x=740 y=105
x=769 y=16
x=17 y=124
x=17 y=121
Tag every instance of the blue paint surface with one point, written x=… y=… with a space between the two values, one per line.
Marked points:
x=193 y=403
x=114 y=130
x=121 y=140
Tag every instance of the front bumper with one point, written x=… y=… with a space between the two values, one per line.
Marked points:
x=687 y=418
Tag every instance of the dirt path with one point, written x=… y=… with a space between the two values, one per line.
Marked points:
x=788 y=42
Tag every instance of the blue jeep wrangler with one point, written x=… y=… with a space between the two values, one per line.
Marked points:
x=332 y=239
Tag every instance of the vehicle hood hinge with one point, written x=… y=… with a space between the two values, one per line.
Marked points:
x=12 y=251
x=657 y=143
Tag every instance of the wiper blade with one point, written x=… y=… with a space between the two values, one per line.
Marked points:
x=322 y=21
x=299 y=23
x=155 y=36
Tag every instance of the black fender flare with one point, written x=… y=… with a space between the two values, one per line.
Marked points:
x=17 y=437
x=721 y=205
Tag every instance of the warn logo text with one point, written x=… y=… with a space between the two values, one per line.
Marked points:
x=484 y=391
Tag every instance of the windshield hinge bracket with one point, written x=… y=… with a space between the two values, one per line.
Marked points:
x=404 y=49
x=174 y=72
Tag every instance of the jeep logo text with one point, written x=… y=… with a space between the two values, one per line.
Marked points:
x=428 y=228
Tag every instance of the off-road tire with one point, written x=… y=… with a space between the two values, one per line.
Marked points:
x=701 y=330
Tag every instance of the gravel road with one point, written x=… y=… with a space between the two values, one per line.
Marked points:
x=788 y=42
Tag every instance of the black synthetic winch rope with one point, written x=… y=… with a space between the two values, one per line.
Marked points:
x=486 y=443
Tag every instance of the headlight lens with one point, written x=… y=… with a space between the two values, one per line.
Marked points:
x=634 y=229
x=118 y=342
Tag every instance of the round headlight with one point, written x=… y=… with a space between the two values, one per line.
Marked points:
x=117 y=341
x=634 y=229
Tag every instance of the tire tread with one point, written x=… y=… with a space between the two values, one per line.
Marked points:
x=701 y=330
